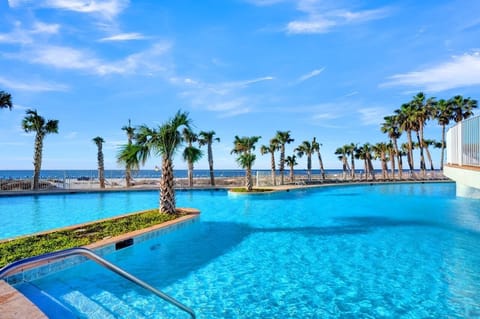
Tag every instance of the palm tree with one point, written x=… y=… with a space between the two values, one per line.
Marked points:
x=307 y=149
x=5 y=100
x=351 y=150
x=443 y=114
x=101 y=167
x=424 y=112
x=206 y=138
x=316 y=147
x=283 y=137
x=130 y=131
x=291 y=162
x=271 y=148
x=406 y=120
x=342 y=156
x=243 y=147
x=364 y=153
x=462 y=107
x=380 y=150
x=163 y=141
x=392 y=128
x=128 y=156
x=35 y=123
x=191 y=154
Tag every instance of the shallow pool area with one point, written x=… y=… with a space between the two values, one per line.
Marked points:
x=381 y=251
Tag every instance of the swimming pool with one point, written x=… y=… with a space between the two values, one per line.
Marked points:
x=382 y=251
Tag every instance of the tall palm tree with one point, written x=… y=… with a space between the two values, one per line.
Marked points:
x=191 y=154
x=462 y=107
x=291 y=162
x=5 y=100
x=271 y=148
x=392 y=128
x=306 y=148
x=443 y=114
x=424 y=111
x=406 y=120
x=283 y=137
x=380 y=151
x=36 y=123
x=243 y=147
x=163 y=141
x=206 y=138
x=351 y=150
x=342 y=156
x=316 y=147
x=101 y=167
x=130 y=131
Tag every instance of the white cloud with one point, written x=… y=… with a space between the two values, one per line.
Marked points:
x=32 y=86
x=372 y=115
x=310 y=75
x=105 y=8
x=25 y=36
x=461 y=71
x=312 y=25
x=124 y=37
x=75 y=59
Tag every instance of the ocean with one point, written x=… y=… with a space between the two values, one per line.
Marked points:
x=118 y=173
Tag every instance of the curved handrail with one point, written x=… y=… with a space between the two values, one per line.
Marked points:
x=42 y=259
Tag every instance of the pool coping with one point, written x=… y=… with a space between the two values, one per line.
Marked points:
x=13 y=304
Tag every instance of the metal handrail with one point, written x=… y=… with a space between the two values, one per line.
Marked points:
x=42 y=259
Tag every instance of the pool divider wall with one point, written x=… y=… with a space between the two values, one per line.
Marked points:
x=104 y=247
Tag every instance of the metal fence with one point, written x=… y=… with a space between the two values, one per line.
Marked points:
x=463 y=143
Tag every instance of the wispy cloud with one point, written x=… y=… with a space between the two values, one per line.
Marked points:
x=105 y=8
x=24 y=36
x=124 y=37
x=32 y=86
x=351 y=93
x=69 y=58
x=310 y=75
x=372 y=115
x=461 y=71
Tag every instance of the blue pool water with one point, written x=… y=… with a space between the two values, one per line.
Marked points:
x=383 y=251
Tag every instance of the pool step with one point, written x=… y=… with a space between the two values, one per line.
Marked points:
x=49 y=305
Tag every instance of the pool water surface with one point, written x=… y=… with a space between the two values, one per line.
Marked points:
x=382 y=251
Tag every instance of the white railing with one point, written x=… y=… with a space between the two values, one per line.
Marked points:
x=463 y=143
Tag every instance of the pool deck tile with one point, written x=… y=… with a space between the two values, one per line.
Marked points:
x=14 y=305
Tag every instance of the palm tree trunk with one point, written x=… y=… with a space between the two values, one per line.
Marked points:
x=399 y=159
x=210 y=164
x=429 y=157
x=282 y=163
x=422 y=156
x=321 y=165
x=248 y=179
x=272 y=163
x=128 y=176
x=443 y=147
x=101 y=168
x=410 y=152
x=309 y=167
x=167 y=191
x=291 y=174
x=190 y=174
x=37 y=161
x=392 y=162
x=370 y=168
x=352 y=159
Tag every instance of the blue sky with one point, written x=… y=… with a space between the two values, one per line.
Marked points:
x=325 y=68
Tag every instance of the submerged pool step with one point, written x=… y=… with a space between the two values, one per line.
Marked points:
x=49 y=305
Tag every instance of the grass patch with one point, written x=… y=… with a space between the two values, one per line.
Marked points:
x=35 y=245
x=254 y=190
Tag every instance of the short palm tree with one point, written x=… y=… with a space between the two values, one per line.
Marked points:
x=191 y=154
x=342 y=156
x=283 y=138
x=36 y=123
x=206 y=138
x=351 y=150
x=243 y=147
x=128 y=156
x=163 y=141
x=364 y=153
x=291 y=162
x=380 y=151
x=316 y=147
x=307 y=149
x=5 y=100
x=130 y=131
x=101 y=166
x=443 y=114
x=271 y=149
